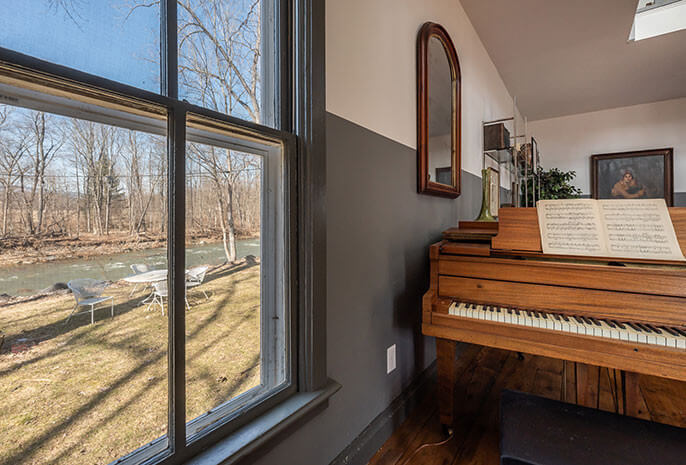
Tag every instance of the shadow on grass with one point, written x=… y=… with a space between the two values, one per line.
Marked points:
x=60 y=327
x=116 y=387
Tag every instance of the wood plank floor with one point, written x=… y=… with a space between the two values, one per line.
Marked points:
x=482 y=374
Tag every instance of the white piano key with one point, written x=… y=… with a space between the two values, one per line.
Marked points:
x=632 y=333
x=535 y=322
x=580 y=326
x=480 y=312
x=458 y=308
x=469 y=313
x=623 y=333
x=567 y=326
x=642 y=335
x=557 y=324
x=551 y=323
x=607 y=331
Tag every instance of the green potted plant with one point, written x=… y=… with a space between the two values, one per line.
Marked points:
x=554 y=184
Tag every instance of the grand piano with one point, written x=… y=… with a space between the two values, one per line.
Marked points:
x=491 y=285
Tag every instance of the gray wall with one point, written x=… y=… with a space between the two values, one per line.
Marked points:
x=379 y=230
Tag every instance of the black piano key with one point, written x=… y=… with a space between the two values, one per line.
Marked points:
x=620 y=325
x=670 y=331
x=654 y=329
x=497 y=309
x=679 y=330
x=610 y=323
x=516 y=310
x=544 y=315
x=596 y=322
x=634 y=326
x=644 y=327
x=565 y=317
x=586 y=320
x=557 y=317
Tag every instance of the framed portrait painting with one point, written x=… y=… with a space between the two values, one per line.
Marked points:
x=646 y=174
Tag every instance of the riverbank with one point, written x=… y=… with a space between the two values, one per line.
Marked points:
x=33 y=250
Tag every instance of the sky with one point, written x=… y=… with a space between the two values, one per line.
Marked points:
x=98 y=38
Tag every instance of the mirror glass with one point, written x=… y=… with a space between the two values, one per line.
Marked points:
x=440 y=142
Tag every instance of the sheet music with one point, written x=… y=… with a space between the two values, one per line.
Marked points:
x=622 y=228
x=639 y=229
x=570 y=227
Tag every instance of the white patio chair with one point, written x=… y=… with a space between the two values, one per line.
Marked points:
x=159 y=293
x=88 y=292
x=195 y=276
x=138 y=268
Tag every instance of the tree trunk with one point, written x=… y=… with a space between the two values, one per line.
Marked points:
x=6 y=209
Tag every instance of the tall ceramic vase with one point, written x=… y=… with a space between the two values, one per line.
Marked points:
x=486 y=196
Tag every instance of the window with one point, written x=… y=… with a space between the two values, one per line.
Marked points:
x=153 y=192
x=658 y=17
x=104 y=38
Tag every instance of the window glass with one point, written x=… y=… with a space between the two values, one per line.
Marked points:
x=83 y=325
x=222 y=59
x=223 y=260
x=115 y=39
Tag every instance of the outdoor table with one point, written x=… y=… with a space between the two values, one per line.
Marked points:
x=149 y=277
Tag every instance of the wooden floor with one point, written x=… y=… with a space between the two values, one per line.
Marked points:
x=482 y=374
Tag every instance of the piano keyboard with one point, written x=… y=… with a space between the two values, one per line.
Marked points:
x=611 y=329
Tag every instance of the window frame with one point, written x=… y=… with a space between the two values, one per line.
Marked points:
x=299 y=91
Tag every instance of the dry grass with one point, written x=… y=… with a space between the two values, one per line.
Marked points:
x=92 y=393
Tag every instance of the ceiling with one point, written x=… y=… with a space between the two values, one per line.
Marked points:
x=561 y=57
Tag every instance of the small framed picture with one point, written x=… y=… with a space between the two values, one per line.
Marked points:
x=646 y=174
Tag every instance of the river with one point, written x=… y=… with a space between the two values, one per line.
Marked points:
x=29 y=279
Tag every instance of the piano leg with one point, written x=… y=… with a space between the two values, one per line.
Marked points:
x=587 y=385
x=632 y=393
x=446 y=368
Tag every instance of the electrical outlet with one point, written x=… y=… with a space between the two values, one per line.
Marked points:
x=390 y=359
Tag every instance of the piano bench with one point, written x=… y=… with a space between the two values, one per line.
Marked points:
x=539 y=431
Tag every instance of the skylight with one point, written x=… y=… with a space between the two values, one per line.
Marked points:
x=657 y=17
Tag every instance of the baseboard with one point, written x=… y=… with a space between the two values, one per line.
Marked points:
x=380 y=429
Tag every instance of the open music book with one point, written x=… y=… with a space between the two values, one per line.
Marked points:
x=622 y=228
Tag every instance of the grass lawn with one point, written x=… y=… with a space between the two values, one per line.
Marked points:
x=88 y=394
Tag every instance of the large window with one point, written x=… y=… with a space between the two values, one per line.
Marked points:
x=148 y=249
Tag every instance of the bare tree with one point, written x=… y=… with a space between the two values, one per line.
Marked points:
x=13 y=151
x=95 y=144
x=219 y=45
x=44 y=145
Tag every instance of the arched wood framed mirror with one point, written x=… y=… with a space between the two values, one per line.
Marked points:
x=438 y=113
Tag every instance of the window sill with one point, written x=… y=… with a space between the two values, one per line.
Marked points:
x=265 y=429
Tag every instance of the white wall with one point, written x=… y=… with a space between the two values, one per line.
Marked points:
x=568 y=142
x=371 y=69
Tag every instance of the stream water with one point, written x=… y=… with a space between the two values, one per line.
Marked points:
x=29 y=279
